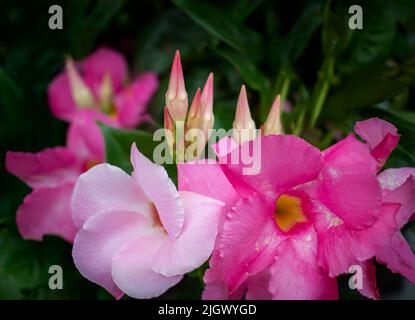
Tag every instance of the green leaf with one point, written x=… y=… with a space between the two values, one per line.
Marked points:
x=249 y=72
x=11 y=98
x=223 y=26
x=335 y=30
x=118 y=145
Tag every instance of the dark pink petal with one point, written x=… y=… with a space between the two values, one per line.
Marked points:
x=100 y=238
x=340 y=247
x=381 y=136
x=284 y=162
x=105 y=187
x=47 y=211
x=207 y=179
x=399 y=257
x=153 y=179
x=369 y=286
x=131 y=103
x=258 y=286
x=215 y=285
x=348 y=185
x=195 y=243
x=295 y=273
x=248 y=241
x=104 y=60
x=61 y=102
x=132 y=268
x=85 y=139
x=46 y=168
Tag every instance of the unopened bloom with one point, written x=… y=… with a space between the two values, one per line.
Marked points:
x=97 y=86
x=306 y=218
x=138 y=234
x=190 y=128
x=51 y=174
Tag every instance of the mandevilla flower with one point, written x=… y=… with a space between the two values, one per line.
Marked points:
x=307 y=216
x=96 y=86
x=52 y=174
x=138 y=234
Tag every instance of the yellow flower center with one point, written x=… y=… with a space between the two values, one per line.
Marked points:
x=288 y=212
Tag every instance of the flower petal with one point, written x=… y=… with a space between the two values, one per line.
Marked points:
x=61 y=102
x=381 y=136
x=131 y=103
x=100 y=238
x=398 y=257
x=47 y=211
x=195 y=243
x=298 y=162
x=104 y=60
x=369 y=288
x=340 y=247
x=248 y=240
x=160 y=189
x=105 y=187
x=207 y=179
x=348 y=185
x=47 y=168
x=258 y=286
x=295 y=274
x=132 y=268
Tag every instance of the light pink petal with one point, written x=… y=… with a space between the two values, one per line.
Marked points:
x=348 y=185
x=104 y=60
x=195 y=243
x=248 y=240
x=46 y=211
x=132 y=268
x=405 y=196
x=381 y=136
x=258 y=286
x=340 y=247
x=207 y=179
x=295 y=273
x=100 y=238
x=390 y=179
x=399 y=257
x=46 y=168
x=369 y=286
x=106 y=187
x=283 y=162
x=160 y=189
x=85 y=139
x=131 y=103
x=60 y=100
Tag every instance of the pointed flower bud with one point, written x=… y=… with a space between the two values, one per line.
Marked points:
x=106 y=93
x=244 y=128
x=176 y=95
x=80 y=92
x=273 y=123
x=169 y=130
x=192 y=117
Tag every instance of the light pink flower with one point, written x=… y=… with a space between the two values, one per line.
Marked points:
x=138 y=234
x=97 y=86
x=51 y=174
x=303 y=220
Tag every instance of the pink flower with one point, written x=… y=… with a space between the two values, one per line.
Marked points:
x=51 y=174
x=138 y=234
x=304 y=219
x=97 y=86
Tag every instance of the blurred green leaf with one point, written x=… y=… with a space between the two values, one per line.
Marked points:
x=335 y=30
x=223 y=26
x=11 y=98
x=118 y=145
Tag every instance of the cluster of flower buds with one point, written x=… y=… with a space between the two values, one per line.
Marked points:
x=188 y=130
x=244 y=128
x=187 y=127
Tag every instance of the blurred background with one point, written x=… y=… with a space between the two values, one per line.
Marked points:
x=328 y=75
